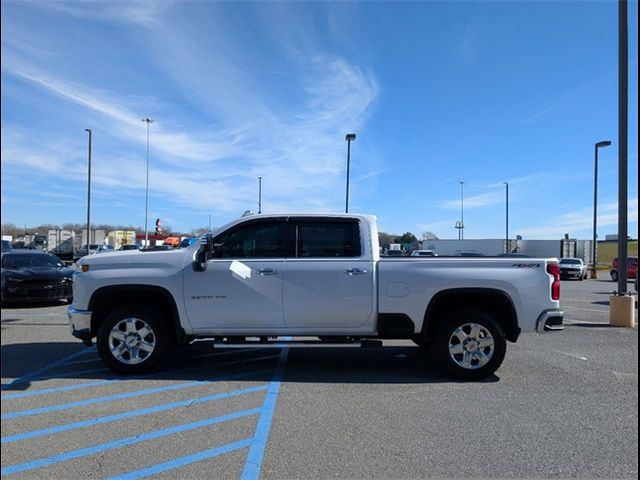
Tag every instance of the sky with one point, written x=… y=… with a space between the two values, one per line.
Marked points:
x=437 y=93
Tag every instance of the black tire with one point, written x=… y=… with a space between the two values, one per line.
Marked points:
x=444 y=343
x=614 y=276
x=151 y=327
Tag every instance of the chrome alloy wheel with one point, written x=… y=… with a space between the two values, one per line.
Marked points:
x=132 y=341
x=471 y=346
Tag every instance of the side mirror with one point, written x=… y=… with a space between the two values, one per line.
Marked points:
x=204 y=253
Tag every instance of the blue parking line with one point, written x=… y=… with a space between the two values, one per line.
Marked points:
x=182 y=461
x=123 y=442
x=255 y=456
x=79 y=386
x=257 y=443
x=47 y=391
x=179 y=359
x=129 y=414
x=30 y=376
x=122 y=396
x=76 y=373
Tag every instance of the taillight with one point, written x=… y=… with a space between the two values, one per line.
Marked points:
x=553 y=269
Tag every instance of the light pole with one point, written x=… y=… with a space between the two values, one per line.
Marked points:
x=461 y=210
x=623 y=138
x=146 y=195
x=89 y=193
x=506 y=236
x=259 y=195
x=350 y=137
x=594 y=246
x=621 y=302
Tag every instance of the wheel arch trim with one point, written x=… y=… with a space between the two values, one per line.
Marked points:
x=174 y=315
x=513 y=330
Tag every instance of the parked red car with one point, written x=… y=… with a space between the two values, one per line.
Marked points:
x=632 y=268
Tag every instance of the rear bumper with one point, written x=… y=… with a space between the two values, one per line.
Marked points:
x=550 y=320
x=80 y=324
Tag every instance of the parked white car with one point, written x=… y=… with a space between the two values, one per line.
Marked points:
x=573 y=268
x=309 y=276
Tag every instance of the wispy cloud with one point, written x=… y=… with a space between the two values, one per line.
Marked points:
x=124 y=122
x=579 y=221
x=213 y=165
x=145 y=13
x=534 y=117
x=475 y=201
x=373 y=173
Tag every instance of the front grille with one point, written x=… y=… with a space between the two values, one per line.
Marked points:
x=39 y=289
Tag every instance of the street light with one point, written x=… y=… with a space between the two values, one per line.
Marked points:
x=259 y=195
x=146 y=196
x=508 y=247
x=594 y=250
x=350 y=137
x=89 y=193
x=460 y=223
x=461 y=210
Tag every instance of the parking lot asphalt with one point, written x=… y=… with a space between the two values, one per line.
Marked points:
x=563 y=405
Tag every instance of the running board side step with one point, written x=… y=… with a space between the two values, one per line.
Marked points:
x=279 y=342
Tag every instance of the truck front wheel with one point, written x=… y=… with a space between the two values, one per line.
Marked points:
x=470 y=344
x=133 y=338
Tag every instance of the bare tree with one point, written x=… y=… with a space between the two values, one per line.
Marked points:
x=427 y=235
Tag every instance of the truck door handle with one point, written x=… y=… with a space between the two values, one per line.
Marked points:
x=355 y=271
x=268 y=271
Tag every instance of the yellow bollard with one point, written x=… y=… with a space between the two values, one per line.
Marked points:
x=622 y=311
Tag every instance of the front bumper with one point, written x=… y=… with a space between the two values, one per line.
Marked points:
x=80 y=324
x=571 y=273
x=550 y=320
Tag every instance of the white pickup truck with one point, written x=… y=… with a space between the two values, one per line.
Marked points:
x=309 y=276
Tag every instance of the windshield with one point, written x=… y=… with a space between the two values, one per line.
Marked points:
x=26 y=260
x=186 y=242
x=570 y=261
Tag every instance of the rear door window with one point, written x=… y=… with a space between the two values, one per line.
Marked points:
x=328 y=239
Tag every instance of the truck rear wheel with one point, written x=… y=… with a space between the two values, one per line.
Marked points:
x=133 y=338
x=470 y=344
